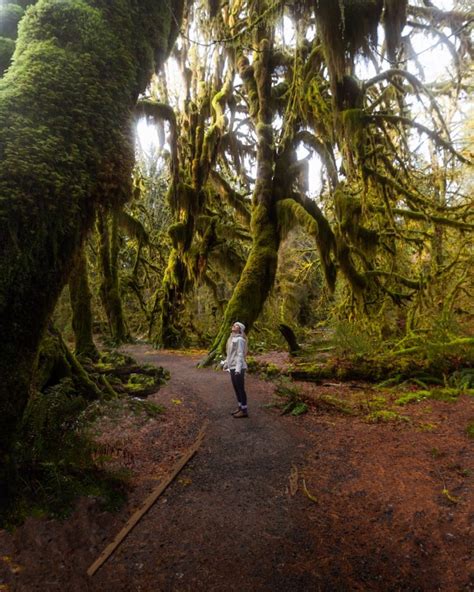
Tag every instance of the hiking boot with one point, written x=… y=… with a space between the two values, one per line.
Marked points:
x=240 y=414
x=235 y=411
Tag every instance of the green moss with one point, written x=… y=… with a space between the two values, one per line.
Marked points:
x=177 y=280
x=385 y=416
x=147 y=408
x=65 y=146
x=178 y=234
x=346 y=28
x=427 y=427
x=113 y=359
x=137 y=382
x=291 y=213
x=52 y=364
x=413 y=397
x=447 y=394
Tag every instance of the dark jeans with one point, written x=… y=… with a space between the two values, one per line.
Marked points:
x=238 y=382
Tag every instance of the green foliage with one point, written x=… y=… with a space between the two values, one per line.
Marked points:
x=51 y=425
x=116 y=409
x=113 y=359
x=292 y=403
x=352 y=339
x=54 y=458
x=264 y=369
x=147 y=408
x=462 y=379
x=299 y=409
x=65 y=147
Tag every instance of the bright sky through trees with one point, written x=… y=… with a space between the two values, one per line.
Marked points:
x=433 y=57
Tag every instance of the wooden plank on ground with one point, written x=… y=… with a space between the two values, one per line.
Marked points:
x=147 y=504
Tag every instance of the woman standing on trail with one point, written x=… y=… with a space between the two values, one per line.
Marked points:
x=236 y=364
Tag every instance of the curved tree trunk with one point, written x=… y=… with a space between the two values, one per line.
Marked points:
x=65 y=145
x=256 y=281
x=80 y=294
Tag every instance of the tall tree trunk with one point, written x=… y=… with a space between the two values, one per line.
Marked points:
x=110 y=284
x=175 y=288
x=65 y=146
x=258 y=275
x=80 y=294
x=256 y=281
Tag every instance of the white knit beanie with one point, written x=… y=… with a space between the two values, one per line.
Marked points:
x=241 y=326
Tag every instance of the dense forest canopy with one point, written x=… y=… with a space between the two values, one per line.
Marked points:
x=310 y=165
x=359 y=141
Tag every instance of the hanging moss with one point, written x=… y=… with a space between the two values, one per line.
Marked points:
x=133 y=227
x=246 y=72
x=178 y=233
x=347 y=27
x=237 y=201
x=291 y=213
x=349 y=213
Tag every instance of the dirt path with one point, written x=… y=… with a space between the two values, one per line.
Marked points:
x=227 y=523
x=392 y=509
x=232 y=526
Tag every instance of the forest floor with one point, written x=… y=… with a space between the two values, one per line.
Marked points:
x=326 y=501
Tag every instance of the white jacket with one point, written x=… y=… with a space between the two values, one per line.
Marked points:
x=236 y=351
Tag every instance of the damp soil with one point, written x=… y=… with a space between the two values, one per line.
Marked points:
x=325 y=501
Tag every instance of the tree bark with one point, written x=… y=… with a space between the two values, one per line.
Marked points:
x=80 y=295
x=65 y=146
x=110 y=282
x=259 y=273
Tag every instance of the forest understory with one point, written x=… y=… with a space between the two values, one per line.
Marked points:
x=298 y=169
x=327 y=486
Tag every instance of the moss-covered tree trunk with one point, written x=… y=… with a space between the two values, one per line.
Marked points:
x=189 y=201
x=65 y=146
x=110 y=282
x=258 y=275
x=80 y=294
x=175 y=287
